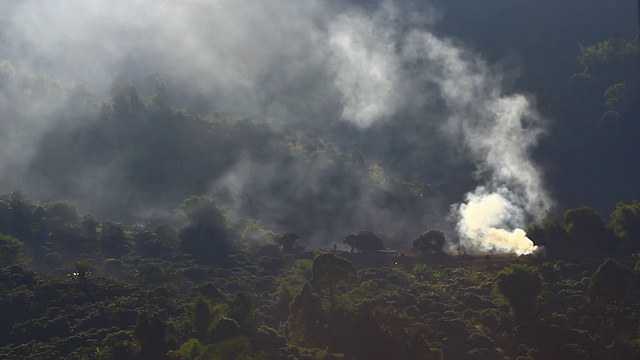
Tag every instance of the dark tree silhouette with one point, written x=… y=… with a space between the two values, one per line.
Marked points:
x=205 y=237
x=430 y=243
x=588 y=230
x=306 y=320
x=201 y=317
x=364 y=241
x=287 y=240
x=519 y=285
x=553 y=237
x=114 y=240
x=612 y=284
x=150 y=333
x=329 y=273
x=11 y=252
x=625 y=220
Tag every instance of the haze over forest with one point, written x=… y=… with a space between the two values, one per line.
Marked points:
x=324 y=117
x=319 y=180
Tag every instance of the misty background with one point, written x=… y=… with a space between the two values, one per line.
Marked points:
x=319 y=117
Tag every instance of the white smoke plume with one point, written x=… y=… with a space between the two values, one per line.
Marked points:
x=498 y=129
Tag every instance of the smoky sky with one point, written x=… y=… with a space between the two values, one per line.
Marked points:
x=289 y=62
x=279 y=59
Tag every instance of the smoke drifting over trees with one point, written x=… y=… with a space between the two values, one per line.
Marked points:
x=364 y=116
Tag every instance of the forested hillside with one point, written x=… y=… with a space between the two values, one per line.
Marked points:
x=319 y=180
x=82 y=288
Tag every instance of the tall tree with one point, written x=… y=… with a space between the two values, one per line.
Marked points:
x=205 y=236
x=612 y=284
x=519 y=285
x=588 y=230
x=201 y=317
x=150 y=333
x=11 y=252
x=329 y=273
x=306 y=321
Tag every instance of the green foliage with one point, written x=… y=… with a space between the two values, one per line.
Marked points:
x=177 y=154
x=389 y=333
x=364 y=241
x=251 y=231
x=615 y=95
x=592 y=57
x=11 y=251
x=241 y=308
x=588 y=230
x=114 y=240
x=89 y=226
x=421 y=271
x=191 y=350
x=330 y=273
x=610 y=65
x=18 y=201
x=377 y=173
x=62 y=214
x=201 y=210
x=625 y=221
x=118 y=346
x=19 y=215
x=519 y=286
x=238 y=348
x=429 y=243
x=551 y=234
x=612 y=284
x=150 y=333
x=306 y=320
x=291 y=282
x=201 y=316
x=83 y=269
x=205 y=237
x=398 y=276
x=287 y=241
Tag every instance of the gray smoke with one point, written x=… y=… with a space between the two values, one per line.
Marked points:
x=289 y=61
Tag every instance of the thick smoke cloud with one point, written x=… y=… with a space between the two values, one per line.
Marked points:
x=500 y=131
x=291 y=62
